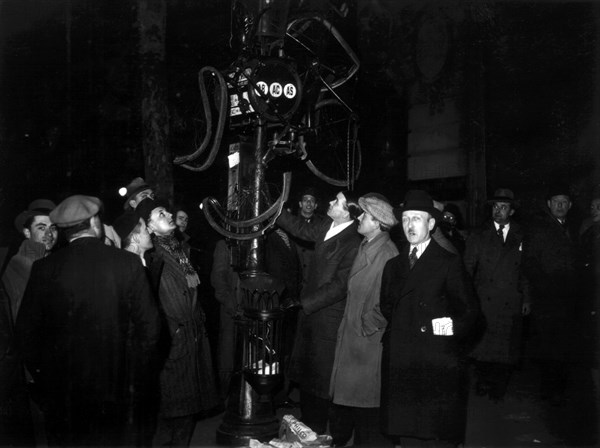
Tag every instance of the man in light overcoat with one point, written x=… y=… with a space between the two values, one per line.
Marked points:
x=356 y=378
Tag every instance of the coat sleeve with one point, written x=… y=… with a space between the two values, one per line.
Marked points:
x=386 y=296
x=300 y=228
x=335 y=289
x=460 y=291
x=373 y=320
x=29 y=328
x=144 y=312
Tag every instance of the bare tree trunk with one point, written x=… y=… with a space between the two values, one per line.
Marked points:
x=152 y=22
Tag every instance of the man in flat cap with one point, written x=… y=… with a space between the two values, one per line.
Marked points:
x=550 y=255
x=87 y=308
x=135 y=192
x=40 y=238
x=322 y=302
x=493 y=260
x=429 y=303
x=356 y=377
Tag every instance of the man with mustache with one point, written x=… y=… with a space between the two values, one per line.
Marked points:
x=429 y=304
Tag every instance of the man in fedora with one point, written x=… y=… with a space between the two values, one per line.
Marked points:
x=430 y=306
x=356 y=378
x=40 y=238
x=493 y=260
x=87 y=330
x=135 y=192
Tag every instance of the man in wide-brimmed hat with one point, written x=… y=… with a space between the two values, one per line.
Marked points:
x=430 y=306
x=136 y=191
x=40 y=238
x=356 y=377
x=493 y=260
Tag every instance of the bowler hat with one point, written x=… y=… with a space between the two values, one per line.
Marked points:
x=418 y=200
x=134 y=187
x=503 y=195
x=125 y=224
x=37 y=207
x=75 y=210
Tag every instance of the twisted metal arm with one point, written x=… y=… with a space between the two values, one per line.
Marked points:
x=222 y=109
x=270 y=215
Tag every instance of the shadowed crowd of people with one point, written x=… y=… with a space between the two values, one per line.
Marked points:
x=389 y=310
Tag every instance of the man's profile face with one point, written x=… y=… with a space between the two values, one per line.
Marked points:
x=308 y=205
x=181 y=220
x=417 y=225
x=161 y=222
x=501 y=212
x=559 y=206
x=367 y=225
x=139 y=197
x=42 y=230
x=337 y=208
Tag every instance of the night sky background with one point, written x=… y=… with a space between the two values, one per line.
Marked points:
x=70 y=121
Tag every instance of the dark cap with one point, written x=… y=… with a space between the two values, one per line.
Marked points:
x=135 y=186
x=145 y=207
x=503 y=195
x=308 y=191
x=125 y=224
x=75 y=210
x=418 y=200
x=37 y=207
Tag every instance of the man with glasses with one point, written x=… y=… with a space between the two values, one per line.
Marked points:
x=493 y=259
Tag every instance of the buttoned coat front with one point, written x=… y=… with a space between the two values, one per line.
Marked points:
x=495 y=268
x=356 y=376
x=423 y=384
x=323 y=301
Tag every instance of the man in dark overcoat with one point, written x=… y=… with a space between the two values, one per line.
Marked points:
x=322 y=303
x=87 y=328
x=430 y=305
x=550 y=257
x=493 y=260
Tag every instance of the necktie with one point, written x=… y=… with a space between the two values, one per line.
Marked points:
x=500 y=233
x=412 y=258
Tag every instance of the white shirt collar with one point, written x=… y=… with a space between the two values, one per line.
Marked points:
x=333 y=231
x=420 y=247
x=504 y=229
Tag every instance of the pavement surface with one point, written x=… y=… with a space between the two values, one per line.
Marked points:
x=521 y=419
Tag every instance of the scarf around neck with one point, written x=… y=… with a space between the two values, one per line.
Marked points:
x=175 y=249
